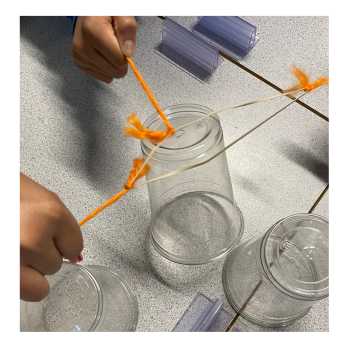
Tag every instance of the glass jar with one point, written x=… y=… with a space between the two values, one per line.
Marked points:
x=82 y=299
x=274 y=280
x=194 y=217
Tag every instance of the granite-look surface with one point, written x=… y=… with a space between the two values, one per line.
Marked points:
x=72 y=143
x=285 y=41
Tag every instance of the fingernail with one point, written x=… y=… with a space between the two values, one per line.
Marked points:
x=121 y=71
x=77 y=259
x=128 y=47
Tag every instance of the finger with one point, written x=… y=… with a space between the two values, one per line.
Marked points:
x=94 y=72
x=125 y=27
x=119 y=71
x=92 y=59
x=34 y=286
x=68 y=238
x=102 y=64
x=105 y=67
x=45 y=259
x=88 y=59
x=98 y=75
x=106 y=43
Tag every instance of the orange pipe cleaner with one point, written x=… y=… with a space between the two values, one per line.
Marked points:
x=304 y=81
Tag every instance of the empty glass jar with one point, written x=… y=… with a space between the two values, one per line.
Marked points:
x=274 y=280
x=82 y=299
x=194 y=217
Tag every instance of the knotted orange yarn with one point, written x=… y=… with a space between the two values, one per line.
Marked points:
x=137 y=130
x=137 y=164
x=170 y=129
x=138 y=170
x=304 y=82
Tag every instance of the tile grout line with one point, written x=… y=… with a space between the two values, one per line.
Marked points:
x=318 y=199
x=264 y=80
x=239 y=312
x=269 y=83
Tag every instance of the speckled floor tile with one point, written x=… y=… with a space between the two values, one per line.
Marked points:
x=72 y=142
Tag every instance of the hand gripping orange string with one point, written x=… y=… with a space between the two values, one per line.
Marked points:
x=137 y=164
x=304 y=82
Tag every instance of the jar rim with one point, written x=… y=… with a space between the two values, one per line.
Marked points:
x=178 y=259
x=97 y=288
x=126 y=288
x=198 y=148
x=300 y=290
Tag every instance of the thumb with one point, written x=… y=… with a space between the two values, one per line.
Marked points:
x=125 y=27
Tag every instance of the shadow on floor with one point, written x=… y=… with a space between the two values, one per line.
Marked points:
x=317 y=164
x=52 y=38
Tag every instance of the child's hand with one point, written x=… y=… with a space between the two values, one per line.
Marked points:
x=49 y=232
x=100 y=44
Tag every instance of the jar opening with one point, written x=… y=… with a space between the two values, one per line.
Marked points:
x=294 y=256
x=193 y=140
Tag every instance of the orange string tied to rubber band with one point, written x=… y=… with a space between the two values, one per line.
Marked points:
x=135 y=174
x=137 y=164
x=137 y=130
x=304 y=81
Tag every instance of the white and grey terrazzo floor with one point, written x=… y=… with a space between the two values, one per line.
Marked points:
x=72 y=143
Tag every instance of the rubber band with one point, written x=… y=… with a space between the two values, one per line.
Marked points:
x=136 y=129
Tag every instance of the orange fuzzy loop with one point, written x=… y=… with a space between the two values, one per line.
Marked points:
x=137 y=164
x=304 y=82
x=147 y=90
x=137 y=130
